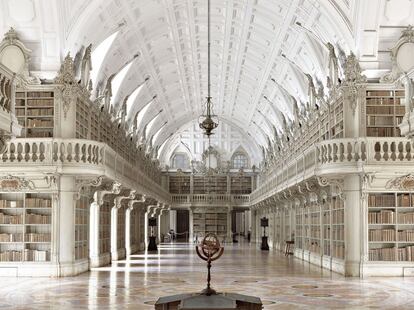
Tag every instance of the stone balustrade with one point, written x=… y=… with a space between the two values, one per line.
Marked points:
x=216 y=199
x=79 y=156
x=340 y=156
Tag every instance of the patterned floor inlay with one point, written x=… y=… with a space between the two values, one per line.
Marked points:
x=317 y=295
x=136 y=283
x=304 y=286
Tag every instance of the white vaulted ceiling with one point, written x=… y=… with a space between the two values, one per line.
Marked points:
x=170 y=37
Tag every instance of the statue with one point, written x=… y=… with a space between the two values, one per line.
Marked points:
x=333 y=68
x=108 y=93
x=86 y=67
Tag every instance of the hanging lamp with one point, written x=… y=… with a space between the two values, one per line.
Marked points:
x=208 y=122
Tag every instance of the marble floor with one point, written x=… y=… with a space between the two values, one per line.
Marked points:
x=136 y=283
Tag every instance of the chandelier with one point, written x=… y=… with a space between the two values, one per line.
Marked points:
x=208 y=122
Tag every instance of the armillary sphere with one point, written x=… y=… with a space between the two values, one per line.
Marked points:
x=209 y=250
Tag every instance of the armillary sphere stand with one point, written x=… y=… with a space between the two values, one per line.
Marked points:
x=209 y=250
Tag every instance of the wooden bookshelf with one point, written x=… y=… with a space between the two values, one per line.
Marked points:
x=35 y=113
x=105 y=227
x=210 y=220
x=83 y=121
x=390 y=227
x=25 y=227
x=338 y=232
x=299 y=232
x=241 y=185
x=384 y=112
x=326 y=229
x=314 y=228
x=81 y=228
x=179 y=184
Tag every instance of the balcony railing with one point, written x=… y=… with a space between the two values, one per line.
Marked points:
x=220 y=199
x=90 y=156
x=339 y=156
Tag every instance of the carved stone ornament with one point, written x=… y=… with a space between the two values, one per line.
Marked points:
x=353 y=72
x=338 y=183
x=405 y=182
x=12 y=183
x=66 y=78
x=3 y=142
x=401 y=56
x=82 y=183
x=15 y=56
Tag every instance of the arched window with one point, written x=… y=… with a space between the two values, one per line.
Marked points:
x=239 y=161
x=180 y=161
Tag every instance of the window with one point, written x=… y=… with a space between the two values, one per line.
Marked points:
x=239 y=161
x=180 y=161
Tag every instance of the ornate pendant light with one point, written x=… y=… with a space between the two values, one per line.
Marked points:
x=206 y=121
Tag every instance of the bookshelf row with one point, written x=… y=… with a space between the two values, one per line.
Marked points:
x=390 y=226
x=210 y=220
x=25 y=226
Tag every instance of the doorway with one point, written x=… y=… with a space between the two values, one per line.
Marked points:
x=183 y=225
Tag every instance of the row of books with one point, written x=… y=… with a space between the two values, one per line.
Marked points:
x=38 y=203
x=11 y=219
x=380 y=93
x=405 y=235
x=17 y=237
x=315 y=220
x=338 y=251
x=380 y=132
x=338 y=234
x=380 y=120
x=40 y=102
x=385 y=200
x=316 y=234
x=39 y=94
x=381 y=235
x=39 y=112
x=381 y=217
x=39 y=134
x=36 y=255
x=337 y=217
x=381 y=101
x=37 y=237
x=33 y=123
x=11 y=256
x=384 y=254
x=11 y=203
x=403 y=200
x=385 y=110
x=32 y=218
x=405 y=218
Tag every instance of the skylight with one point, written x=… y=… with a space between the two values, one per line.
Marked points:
x=98 y=55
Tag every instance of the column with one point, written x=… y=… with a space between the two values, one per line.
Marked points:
x=229 y=231
x=128 y=230
x=253 y=225
x=352 y=225
x=114 y=232
x=94 y=234
x=66 y=232
x=191 y=220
